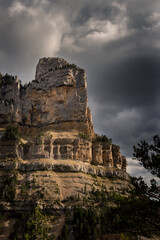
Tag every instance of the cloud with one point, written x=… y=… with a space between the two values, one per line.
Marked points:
x=30 y=32
x=137 y=170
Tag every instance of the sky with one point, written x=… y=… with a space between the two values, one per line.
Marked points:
x=117 y=42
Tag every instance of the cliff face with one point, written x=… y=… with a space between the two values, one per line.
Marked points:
x=56 y=99
x=56 y=156
x=57 y=95
x=64 y=148
x=52 y=162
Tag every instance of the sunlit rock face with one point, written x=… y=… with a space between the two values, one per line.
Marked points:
x=57 y=95
x=64 y=148
x=55 y=101
x=49 y=154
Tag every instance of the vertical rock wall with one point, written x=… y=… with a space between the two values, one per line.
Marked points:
x=75 y=149
x=57 y=97
x=108 y=155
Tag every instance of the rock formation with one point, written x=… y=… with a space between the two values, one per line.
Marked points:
x=48 y=148
x=58 y=179
x=56 y=98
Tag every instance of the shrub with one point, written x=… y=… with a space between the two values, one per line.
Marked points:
x=85 y=223
x=11 y=133
x=6 y=79
x=102 y=138
x=37 y=227
x=68 y=66
x=65 y=231
x=84 y=136
x=10 y=182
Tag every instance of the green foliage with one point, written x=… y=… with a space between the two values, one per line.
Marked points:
x=84 y=136
x=24 y=191
x=149 y=155
x=35 y=81
x=57 y=202
x=124 y=237
x=102 y=138
x=10 y=182
x=94 y=175
x=41 y=134
x=11 y=133
x=37 y=227
x=32 y=227
x=68 y=66
x=6 y=79
x=136 y=213
x=65 y=232
x=19 y=227
x=85 y=222
x=37 y=192
x=142 y=189
x=99 y=196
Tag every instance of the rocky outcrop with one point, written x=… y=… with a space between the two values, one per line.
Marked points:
x=57 y=95
x=64 y=167
x=64 y=148
x=58 y=149
x=56 y=99
x=50 y=155
x=104 y=153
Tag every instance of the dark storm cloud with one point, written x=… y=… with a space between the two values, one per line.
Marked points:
x=133 y=78
x=126 y=99
x=143 y=14
x=118 y=44
x=99 y=11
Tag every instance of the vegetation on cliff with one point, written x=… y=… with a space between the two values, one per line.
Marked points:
x=11 y=133
x=68 y=66
x=8 y=191
x=102 y=214
x=102 y=138
x=6 y=79
x=99 y=215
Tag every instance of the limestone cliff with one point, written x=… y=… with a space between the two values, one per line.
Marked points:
x=57 y=96
x=49 y=153
x=58 y=179
x=57 y=101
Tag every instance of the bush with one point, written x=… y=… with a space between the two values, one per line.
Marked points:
x=11 y=133
x=67 y=66
x=84 y=136
x=10 y=182
x=85 y=223
x=6 y=80
x=32 y=227
x=37 y=227
x=102 y=138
